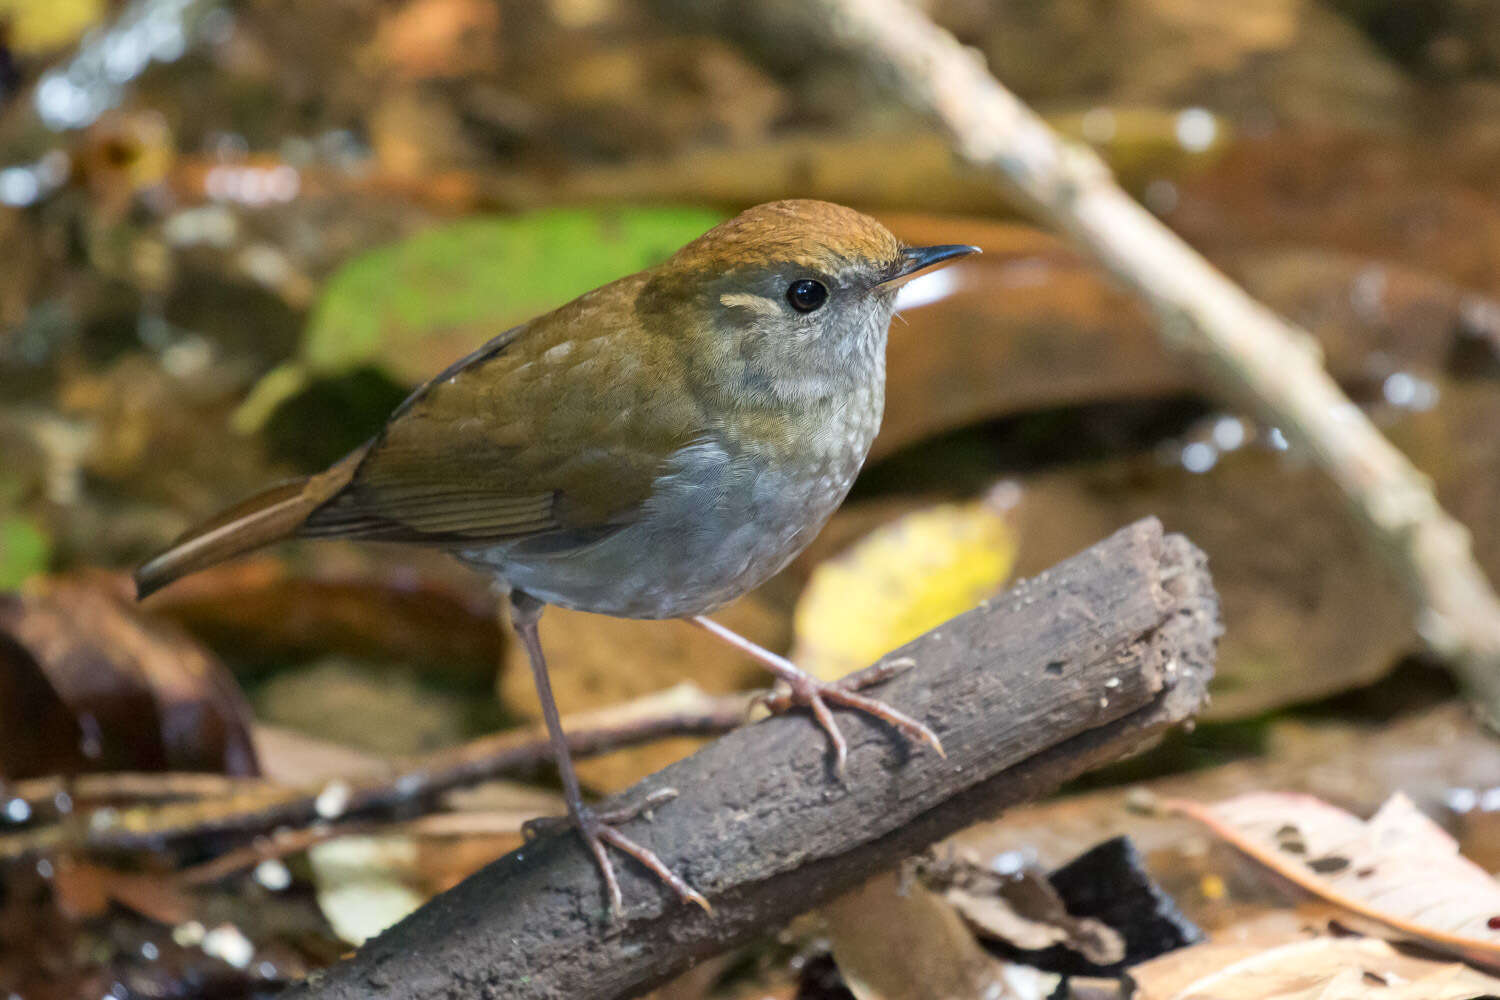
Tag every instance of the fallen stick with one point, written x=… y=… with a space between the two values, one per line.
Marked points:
x=1081 y=665
x=247 y=807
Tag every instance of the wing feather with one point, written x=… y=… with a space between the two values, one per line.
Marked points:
x=490 y=449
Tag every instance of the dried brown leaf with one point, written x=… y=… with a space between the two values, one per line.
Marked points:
x=1399 y=870
x=345 y=602
x=1022 y=909
x=85 y=890
x=122 y=692
x=895 y=942
x=1318 y=968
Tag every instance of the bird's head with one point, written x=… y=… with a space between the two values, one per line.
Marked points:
x=787 y=300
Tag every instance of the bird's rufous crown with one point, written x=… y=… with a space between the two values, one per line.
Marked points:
x=817 y=235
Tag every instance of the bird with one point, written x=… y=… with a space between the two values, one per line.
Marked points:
x=653 y=449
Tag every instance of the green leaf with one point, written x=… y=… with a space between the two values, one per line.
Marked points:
x=24 y=550
x=415 y=306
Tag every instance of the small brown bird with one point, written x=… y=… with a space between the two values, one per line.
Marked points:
x=653 y=449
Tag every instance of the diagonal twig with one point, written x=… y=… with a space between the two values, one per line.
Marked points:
x=1258 y=357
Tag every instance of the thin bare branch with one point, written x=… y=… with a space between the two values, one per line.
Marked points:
x=251 y=808
x=1259 y=358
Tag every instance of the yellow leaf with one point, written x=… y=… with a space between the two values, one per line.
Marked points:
x=48 y=25
x=900 y=581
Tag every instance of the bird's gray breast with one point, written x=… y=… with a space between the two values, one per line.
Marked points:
x=723 y=517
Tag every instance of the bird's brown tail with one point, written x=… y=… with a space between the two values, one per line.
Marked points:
x=266 y=517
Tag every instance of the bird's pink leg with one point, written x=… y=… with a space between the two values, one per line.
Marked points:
x=596 y=828
x=806 y=690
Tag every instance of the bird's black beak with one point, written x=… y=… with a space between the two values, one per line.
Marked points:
x=914 y=259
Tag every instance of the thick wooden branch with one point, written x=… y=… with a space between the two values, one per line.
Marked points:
x=1081 y=665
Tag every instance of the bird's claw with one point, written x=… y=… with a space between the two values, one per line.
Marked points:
x=598 y=829
x=805 y=691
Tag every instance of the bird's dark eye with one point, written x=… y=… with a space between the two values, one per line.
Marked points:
x=806 y=295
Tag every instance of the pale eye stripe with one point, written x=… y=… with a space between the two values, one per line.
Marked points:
x=755 y=303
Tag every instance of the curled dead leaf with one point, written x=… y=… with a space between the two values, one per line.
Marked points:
x=1022 y=909
x=1399 y=872
x=114 y=690
x=1308 y=968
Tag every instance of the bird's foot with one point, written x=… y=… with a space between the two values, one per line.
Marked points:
x=803 y=690
x=598 y=829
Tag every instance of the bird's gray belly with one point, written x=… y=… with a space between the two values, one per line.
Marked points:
x=717 y=526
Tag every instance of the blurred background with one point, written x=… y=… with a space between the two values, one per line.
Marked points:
x=235 y=234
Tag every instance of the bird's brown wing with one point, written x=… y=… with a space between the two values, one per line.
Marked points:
x=557 y=428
